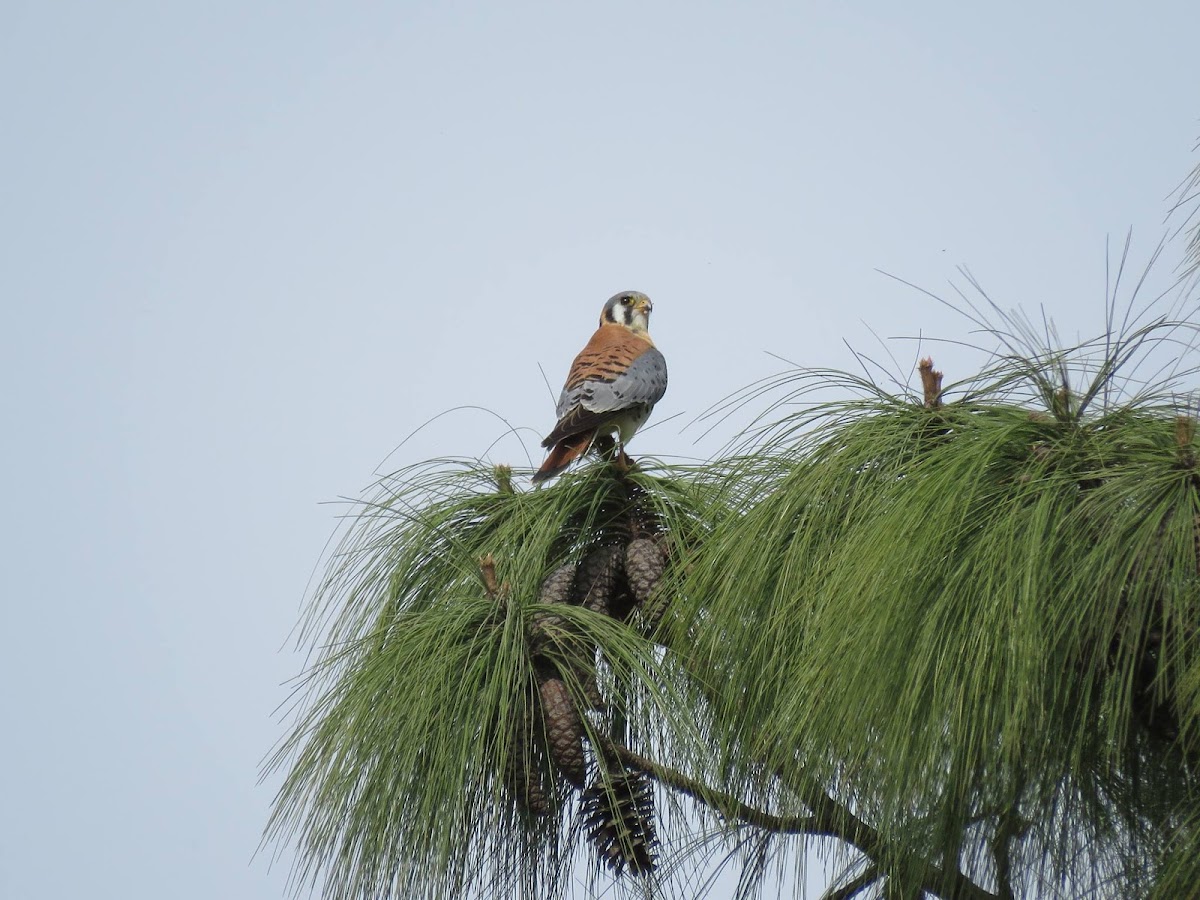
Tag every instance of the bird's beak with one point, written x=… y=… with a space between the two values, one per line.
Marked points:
x=643 y=305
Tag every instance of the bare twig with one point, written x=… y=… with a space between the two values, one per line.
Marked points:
x=931 y=383
x=1185 y=431
x=487 y=568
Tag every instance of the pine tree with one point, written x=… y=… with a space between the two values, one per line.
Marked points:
x=953 y=629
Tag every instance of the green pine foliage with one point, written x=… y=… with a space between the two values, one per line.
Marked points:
x=955 y=630
x=417 y=730
x=978 y=619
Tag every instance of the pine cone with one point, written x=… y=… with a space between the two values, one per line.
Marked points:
x=619 y=818
x=564 y=731
x=556 y=588
x=645 y=563
x=559 y=588
x=597 y=576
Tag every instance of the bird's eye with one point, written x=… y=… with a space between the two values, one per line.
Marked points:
x=624 y=301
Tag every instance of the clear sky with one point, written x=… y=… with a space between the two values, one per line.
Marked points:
x=246 y=248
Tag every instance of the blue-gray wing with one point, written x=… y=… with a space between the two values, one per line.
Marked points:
x=602 y=386
x=642 y=383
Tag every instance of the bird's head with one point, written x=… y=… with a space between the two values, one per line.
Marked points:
x=629 y=308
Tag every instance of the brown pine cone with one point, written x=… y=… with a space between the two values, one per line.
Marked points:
x=564 y=731
x=559 y=588
x=644 y=566
x=619 y=818
x=556 y=588
x=597 y=576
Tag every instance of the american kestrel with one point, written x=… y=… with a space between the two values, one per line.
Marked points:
x=612 y=386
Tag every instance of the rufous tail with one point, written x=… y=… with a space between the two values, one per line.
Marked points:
x=563 y=454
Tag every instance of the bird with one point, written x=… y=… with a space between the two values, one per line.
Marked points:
x=613 y=384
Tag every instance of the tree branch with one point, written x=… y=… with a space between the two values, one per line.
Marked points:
x=854 y=886
x=835 y=820
x=828 y=819
x=725 y=804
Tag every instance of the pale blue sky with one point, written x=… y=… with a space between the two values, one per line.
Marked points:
x=245 y=248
